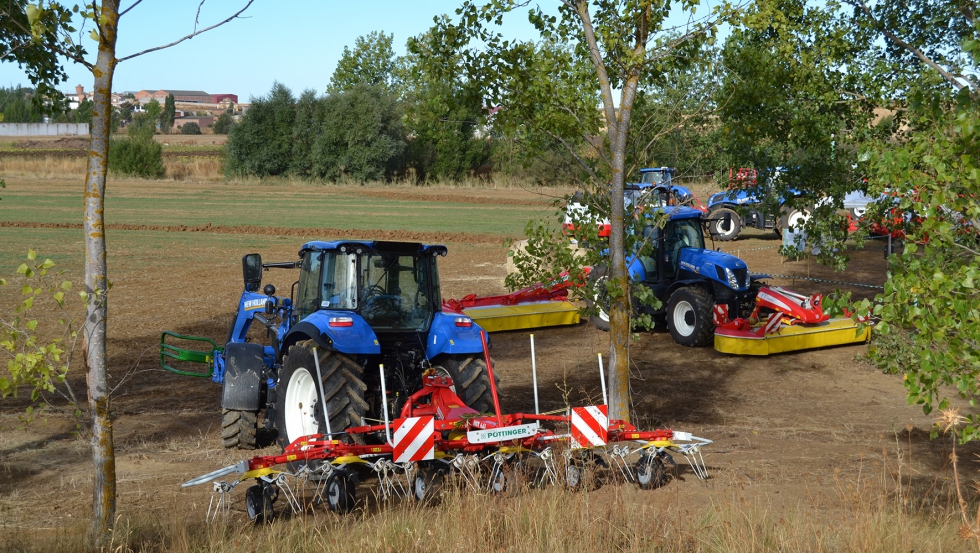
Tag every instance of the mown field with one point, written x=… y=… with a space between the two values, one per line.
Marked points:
x=814 y=451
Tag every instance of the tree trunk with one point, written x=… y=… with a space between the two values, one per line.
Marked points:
x=96 y=283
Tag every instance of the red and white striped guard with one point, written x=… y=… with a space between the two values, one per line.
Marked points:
x=590 y=426
x=415 y=440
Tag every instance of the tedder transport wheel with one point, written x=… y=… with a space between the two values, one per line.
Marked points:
x=719 y=230
x=470 y=380
x=689 y=317
x=299 y=407
x=651 y=472
x=600 y=302
x=238 y=428
x=338 y=493
x=258 y=503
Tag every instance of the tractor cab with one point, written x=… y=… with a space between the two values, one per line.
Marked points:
x=679 y=259
x=393 y=286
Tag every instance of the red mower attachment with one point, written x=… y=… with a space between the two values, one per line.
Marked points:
x=436 y=438
x=786 y=321
x=533 y=307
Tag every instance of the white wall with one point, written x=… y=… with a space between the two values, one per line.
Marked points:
x=43 y=129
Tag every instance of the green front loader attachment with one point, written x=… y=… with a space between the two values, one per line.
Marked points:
x=169 y=352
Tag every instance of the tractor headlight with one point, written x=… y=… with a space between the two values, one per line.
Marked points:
x=732 y=279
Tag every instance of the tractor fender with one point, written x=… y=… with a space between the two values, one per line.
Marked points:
x=242 y=388
x=356 y=339
x=703 y=282
x=446 y=337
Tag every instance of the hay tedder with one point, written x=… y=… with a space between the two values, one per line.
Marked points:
x=436 y=439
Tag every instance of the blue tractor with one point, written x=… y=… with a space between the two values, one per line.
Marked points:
x=745 y=206
x=356 y=306
x=687 y=278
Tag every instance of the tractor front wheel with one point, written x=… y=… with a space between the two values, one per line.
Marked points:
x=689 y=317
x=238 y=428
x=471 y=381
x=299 y=409
x=599 y=301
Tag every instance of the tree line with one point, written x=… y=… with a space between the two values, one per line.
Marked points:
x=420 y=117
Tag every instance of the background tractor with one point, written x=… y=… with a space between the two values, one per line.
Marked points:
x=746 y=204
x=356 y=305
x=688 y=279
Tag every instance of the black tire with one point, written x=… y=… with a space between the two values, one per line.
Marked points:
x=426 y=484
x=338 y=493
x=718 y=229
x=471 y=382
x=258 y=504
x=651 y=472
x=689 y=317
x=299 y=412
x=584 y=472
x=238 y=428
x=601 y=300
x=793 y=216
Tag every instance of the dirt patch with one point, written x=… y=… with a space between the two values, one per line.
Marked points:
x=58 y=144
x=352 y=234
x=481 y=197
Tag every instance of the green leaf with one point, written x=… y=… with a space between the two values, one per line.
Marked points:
x=31 y=255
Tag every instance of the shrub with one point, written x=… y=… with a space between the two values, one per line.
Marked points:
x=136 y=157
x=190 y=128
x=223 y=124
x=142 y=127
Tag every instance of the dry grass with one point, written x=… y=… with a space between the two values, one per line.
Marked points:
x=43 y=167
x=850 y=515
x=198 y=169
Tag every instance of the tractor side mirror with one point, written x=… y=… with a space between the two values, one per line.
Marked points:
x=252 y=271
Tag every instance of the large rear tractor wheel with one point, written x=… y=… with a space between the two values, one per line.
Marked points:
x=793 y=218
x=470 y=379
x=238 y=428
x=689 y=317
x=599 y=300
x=299 y=405
x=720 y=230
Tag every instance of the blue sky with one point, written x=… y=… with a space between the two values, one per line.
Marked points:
x=296 y=43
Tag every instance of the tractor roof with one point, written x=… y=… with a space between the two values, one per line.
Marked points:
x=680 y=212
x=406 y=248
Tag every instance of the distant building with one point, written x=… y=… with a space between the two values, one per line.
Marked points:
x=193 y=96
x=78 y=97
x=220 y=98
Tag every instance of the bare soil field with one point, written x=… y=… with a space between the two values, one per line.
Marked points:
x=788 y=429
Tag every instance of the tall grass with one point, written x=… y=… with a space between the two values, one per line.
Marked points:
x=857 y=514
x=197 y=169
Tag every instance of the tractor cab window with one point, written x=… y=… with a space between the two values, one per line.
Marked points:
x=680 y=234
x=309 y=280
x=396 y=291
x=651 y=238
x=339 y=286
x=652 y=177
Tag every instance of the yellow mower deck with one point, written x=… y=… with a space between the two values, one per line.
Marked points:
x=525 y=315
x=835 y=332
